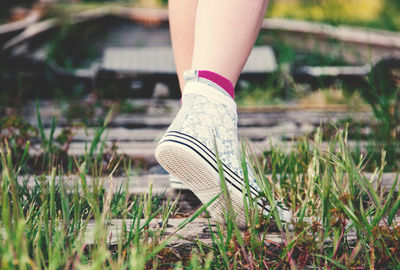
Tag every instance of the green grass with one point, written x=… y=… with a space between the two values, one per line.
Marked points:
x=325 y=189
x=371 y=133
x=69 y=54
x=277 y=89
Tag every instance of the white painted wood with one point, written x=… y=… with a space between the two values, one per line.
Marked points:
x=161 y=60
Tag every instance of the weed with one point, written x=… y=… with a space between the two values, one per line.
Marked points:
x=340 y=219
x=16 y=131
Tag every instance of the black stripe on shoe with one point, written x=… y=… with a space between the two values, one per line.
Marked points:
x=199 y=144
x=213 y=159
x=213 y=163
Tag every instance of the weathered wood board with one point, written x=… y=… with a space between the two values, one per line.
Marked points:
x=199 y=229
x=160 y=182
x=153 y=60
x=286 y=130
x=158 y=114
x=354 y=44
x=145 y=150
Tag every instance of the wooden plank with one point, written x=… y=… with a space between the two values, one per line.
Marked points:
x=160 y=117
x=136 y=184
x=121 y=134
x=151 y=60
x=361 y=44
x=299 y=117
x=261 y=60
x=115 y=134
x=139 y=60
x=355 y=35
x=312 y=107
x=161 y=107
x=198 y=229
x=334 y=71
x=244 y=120
x=135 y=150
x=146 y=150
x=161 y=182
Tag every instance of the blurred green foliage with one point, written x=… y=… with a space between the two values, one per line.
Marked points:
x=288 y=54
x=383 y=14
x=16 y=130
x=67 y=52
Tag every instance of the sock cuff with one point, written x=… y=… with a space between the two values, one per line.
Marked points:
x=218 y=79
x=213 y=79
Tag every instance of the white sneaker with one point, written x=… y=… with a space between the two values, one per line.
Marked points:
x=187 y=149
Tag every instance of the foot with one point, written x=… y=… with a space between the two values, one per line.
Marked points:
x=187 y=150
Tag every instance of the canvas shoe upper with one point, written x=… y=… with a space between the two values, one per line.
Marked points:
x=207 y=118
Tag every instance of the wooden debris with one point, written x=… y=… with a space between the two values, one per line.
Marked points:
x=19 y=25
x=36 y=29
x=30 y=32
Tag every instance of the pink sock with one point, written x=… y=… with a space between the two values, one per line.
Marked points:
x=221 y=81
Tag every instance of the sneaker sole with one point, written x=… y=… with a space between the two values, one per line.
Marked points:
x=176 y=184
x=195 y=166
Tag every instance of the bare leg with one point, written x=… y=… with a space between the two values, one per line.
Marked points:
x=225 y=33
x=182 y=19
